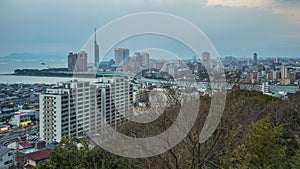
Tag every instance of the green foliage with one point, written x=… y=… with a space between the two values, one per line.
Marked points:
x=295 y=161
x=256 y=131
x=73 y=155
x=256 y=95
x=262 y=147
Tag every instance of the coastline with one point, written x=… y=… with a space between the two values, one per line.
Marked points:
x=5 y=74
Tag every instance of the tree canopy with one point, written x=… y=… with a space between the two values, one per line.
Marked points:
x=256 y=131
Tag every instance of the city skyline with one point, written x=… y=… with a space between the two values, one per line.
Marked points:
x=237 y=28
x=150 y=84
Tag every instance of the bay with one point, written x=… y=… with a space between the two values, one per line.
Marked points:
x=8 y=67
x=11 y=79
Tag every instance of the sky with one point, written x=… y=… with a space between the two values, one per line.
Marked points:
x=235 y=27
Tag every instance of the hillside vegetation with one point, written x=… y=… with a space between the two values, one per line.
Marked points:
x=256 y=131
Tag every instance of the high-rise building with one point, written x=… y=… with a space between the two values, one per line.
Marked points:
x=96 y=52
x=143 y=59
x=121 y=55
x=139 y=58
x=146 y=59
x=77 y=62
x=74 y=108
x=68 y=110
x=284 y=72
x=206 y=59
x=255 y=58
x=285 y=79
x=116 y=99
x=72 y=59
x=81 y=61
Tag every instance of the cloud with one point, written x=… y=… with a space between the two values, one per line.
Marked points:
x=238 y=3
x=291 y=8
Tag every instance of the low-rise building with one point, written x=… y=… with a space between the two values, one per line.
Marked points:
x=29 y=160
x=22 y=117
x=6 y=158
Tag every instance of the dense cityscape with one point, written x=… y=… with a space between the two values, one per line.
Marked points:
x=101 y=109
x=36 y=117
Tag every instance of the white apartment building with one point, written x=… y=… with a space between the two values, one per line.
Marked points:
x=116 y=99
x=265 y=88
x=74 y=108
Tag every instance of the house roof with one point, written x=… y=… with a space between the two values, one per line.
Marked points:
x=3 y=150
x=14 y=146
x=41 y=144
x=39 y=155
x=28 y=166
x=26 y=145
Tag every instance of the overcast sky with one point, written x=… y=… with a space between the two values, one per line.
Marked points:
x=235 y=27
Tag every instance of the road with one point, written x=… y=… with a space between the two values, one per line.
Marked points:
x=19 y=133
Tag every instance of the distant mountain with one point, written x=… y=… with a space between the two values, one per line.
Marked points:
x=31 y=56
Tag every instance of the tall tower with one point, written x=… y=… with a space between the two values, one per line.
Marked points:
x=255 y=58
x=285 y=80
x=96 y=52
x=284 y=72
x=81 y=64
x=77 y=62
x=72 y=59
x=146 y=59
x=206 y=60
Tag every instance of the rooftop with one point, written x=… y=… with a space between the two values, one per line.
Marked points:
x=39 y=155
x=26 y=145
x=3 y=150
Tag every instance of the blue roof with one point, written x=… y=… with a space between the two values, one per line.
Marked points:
x=283 y=90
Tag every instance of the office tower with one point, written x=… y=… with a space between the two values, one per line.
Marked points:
x=72 y=59
x=275 y=75
x=74 y=108
x=255 y=58
x=146 y=59
x=77 y=62
x=96 y=52
x=121 y=55
x=284 y=72
x=285 y=80
x=139 y=58
x=143 y=59
x=206 y=59
x=81 y=64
